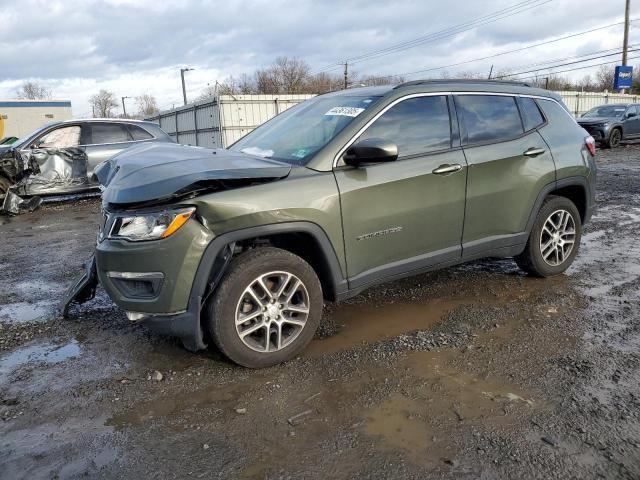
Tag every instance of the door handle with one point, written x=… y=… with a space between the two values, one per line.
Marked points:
x=447 y=168
x=534 y=152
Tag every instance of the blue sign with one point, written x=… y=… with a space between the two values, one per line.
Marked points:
x=623 y=77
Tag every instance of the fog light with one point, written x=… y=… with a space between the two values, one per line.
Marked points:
x=135 y=285
x=135 y=316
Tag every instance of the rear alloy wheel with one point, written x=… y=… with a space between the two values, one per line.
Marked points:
x=266 y=309
x=557 y=237
x=615 y=137
x=554 y=239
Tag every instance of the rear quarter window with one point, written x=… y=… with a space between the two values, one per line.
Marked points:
x=138 y=133
x=489 y=118
x=531 y=115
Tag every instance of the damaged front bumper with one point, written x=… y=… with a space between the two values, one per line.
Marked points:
x=152 y=281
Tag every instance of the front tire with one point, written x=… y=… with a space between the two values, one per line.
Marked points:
x=554 y=239
x=266 y=309
x=615 y=137
x=4 y=187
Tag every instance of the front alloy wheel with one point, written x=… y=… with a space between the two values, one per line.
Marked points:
x=266 y=309
x=272 y=311
x=615 y=138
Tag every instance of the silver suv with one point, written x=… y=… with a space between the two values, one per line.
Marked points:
x=60 y=157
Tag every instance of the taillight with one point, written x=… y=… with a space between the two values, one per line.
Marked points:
x=591 y=145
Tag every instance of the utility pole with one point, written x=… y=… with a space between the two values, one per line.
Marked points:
x=490 y=71
x=124 y=108
x=625 y=41
x=184 y=90
x=346 y=75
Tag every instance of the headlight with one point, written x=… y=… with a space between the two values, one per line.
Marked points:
x=150 y=226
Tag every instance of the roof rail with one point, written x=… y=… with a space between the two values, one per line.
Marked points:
x=463 y=80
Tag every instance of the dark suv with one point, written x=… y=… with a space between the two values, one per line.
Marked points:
x=239 y=247
x=610 y=124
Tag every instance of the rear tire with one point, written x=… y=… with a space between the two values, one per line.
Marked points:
x=266 y=309
x=554 y=239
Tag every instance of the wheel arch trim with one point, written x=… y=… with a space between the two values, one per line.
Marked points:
x=573 y=181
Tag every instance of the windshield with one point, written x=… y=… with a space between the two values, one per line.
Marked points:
x=22 y=141
x=610 y=111
x=297 y=134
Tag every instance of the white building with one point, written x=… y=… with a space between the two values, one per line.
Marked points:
x=20 y=117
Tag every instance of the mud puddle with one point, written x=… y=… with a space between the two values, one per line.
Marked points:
x=361 y=324
x=24 y=312
x=42 y=353
x=443 y=398
x=215 y=400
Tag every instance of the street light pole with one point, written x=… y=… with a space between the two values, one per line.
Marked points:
x=184 y=90
x=124 y=108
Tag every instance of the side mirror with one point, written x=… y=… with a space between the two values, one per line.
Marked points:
x=371 y=150
x=631 y=114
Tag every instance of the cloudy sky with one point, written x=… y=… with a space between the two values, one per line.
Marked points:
x=131 y=47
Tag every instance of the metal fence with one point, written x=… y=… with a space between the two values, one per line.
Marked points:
x=580 y=102
x=220 y=121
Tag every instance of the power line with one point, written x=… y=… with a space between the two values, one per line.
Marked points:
x=563 y=64
x=547 y=42
x=574 y=57
x=447 y=32
x=577 y=68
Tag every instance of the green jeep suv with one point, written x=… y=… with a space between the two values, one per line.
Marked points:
x=240 y=247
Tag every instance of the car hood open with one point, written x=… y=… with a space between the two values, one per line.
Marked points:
x=161 y=172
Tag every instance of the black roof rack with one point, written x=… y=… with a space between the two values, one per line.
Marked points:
x=463 y=80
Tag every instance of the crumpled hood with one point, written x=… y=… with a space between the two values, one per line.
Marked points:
x=160 y=171
x=594 y=120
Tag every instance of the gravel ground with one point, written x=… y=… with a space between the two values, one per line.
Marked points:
x=506 y=377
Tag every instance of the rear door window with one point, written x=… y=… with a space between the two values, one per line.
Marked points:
x=416 y=125
x=489 y=118
x=138 y=133
x=531 y=115
x=109 y=133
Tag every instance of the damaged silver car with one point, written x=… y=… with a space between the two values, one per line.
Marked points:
x=59 y=158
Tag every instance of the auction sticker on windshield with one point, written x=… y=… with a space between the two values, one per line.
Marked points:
x=345 y=111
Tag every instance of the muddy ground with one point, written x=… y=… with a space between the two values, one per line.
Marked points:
x=476 y=371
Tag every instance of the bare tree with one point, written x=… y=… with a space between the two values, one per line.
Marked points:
x=291 y=74
x=323 y=83
x=604 y=77
x=207 y=92
x=147 y=105
x=245 y=84
x=33 y=91
x=103 y=103
x=266 y=81
x=377 y=80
